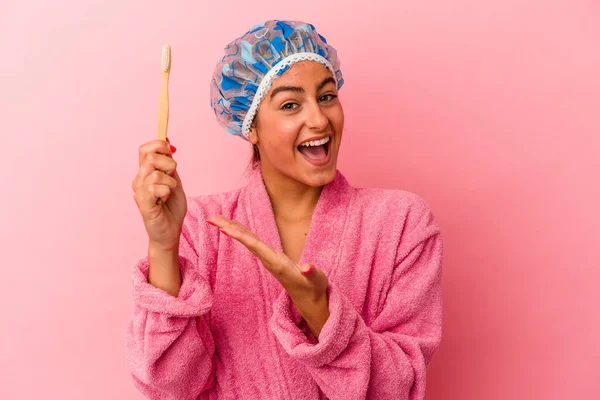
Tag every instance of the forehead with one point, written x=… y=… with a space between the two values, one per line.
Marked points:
x=303 y=74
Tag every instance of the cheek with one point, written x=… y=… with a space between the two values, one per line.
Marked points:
x=288 y=127
x=283 y=132
x=336 y=118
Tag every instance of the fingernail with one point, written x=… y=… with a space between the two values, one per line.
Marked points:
x=222 y=231
x=172 y=174
x=167 y=199
x=168 y=141
x=307 y=272
x=212 y=223
x=173 y=148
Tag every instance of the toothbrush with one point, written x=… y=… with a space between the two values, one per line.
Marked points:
x=163 y=102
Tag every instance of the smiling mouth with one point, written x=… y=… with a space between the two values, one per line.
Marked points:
x=315 y=146
x=316 y=150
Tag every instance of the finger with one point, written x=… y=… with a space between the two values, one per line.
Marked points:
x=305 y=269
x=219 y=221
x=160 y=192
x=248 y=239
x=155 y=146
x=152 y=189
x=160 y=178
x=154 y=162
x=317 y=279
x=238 y=232
x=224 y=222
x=176 y=176
x=148 y=195
x=276 y=261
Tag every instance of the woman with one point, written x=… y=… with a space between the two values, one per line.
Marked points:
x=297 y=286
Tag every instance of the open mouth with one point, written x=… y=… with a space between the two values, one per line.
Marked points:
x=317 y=150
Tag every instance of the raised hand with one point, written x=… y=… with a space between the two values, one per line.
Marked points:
x=156 y=179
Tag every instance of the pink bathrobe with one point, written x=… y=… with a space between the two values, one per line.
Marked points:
x=233 y=333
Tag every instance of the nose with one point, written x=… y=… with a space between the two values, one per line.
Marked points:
x=316 y=119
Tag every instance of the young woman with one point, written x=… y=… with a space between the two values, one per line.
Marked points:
x=298 y=285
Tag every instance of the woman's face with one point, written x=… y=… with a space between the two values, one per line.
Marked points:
x=301 y=105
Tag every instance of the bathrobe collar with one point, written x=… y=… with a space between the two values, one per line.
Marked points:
x=324 y=239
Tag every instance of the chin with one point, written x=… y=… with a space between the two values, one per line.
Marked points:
x=319 y=177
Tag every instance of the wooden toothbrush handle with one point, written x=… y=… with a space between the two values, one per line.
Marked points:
x=163 y=107
x=163 y=112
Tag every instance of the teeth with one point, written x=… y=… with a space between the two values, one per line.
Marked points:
x=316 y=142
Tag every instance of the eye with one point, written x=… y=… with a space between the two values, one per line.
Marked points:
x=289 y=106
x=327 y=97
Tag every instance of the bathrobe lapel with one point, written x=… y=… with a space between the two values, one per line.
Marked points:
x=325 y=238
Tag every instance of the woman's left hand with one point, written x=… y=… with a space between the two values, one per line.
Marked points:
x=305 y=283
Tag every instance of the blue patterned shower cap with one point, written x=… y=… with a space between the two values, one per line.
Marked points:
x=251 y=63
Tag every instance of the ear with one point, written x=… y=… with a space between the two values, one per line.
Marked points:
x=253 y=134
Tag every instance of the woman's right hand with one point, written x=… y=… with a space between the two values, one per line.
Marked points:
x=157 y=178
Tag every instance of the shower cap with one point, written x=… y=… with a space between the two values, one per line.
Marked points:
x=251 y=62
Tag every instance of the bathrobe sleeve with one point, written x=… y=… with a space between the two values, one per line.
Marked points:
x=170 y=348
x=388 y=358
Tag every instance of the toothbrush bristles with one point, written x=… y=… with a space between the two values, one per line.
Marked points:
x=166 y=57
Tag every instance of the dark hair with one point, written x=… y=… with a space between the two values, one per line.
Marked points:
x=255 y=161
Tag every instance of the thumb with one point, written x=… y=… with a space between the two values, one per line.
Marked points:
x=306 y=269
x=312 y=273
x=315 y=277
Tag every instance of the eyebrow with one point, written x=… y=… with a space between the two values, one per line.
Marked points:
x=298 y=89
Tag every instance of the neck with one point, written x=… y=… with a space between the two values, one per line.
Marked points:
x=292 y=201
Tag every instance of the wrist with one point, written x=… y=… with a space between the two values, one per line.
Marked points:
x=315 y=313
x=309 y=306
x=161 y=250
x=163 y=258
x=164 y=272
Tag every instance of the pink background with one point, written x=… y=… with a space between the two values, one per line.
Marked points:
x=489 y=110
